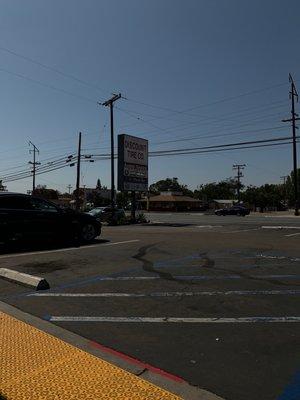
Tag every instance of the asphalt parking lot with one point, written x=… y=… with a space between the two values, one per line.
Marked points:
x=214 y=300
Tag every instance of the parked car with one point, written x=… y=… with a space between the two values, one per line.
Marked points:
x=30 y=218
x=104 y=214
x=234 y=210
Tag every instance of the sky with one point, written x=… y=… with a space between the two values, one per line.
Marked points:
x=192 y=73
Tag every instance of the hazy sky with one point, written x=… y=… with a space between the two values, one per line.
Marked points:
x=194 y=63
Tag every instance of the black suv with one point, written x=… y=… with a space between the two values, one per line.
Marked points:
x=28 y=218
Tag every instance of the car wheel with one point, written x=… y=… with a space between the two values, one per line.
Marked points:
x=88 y=233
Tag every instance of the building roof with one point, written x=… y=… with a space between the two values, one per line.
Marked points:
x=171 y=198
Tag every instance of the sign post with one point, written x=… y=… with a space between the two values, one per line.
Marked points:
x=132 y=166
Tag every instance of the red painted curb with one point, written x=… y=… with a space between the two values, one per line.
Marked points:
x=137 y=362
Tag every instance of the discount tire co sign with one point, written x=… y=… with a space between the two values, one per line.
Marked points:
x=132 y=163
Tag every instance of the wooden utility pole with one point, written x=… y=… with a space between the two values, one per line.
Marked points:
x=239 y=168
x=295 y=117
x=77 y=197
x=110 y=103
x=34 y=163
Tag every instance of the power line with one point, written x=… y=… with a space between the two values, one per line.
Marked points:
x=48 y=86
x=208 y=104
x=103 y=157
x=224 y=145
x=66 y=75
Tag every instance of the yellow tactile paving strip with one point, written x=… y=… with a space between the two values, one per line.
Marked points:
x=36 y=366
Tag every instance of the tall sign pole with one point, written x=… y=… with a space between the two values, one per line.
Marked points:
x=110 y=103
x=295 y=117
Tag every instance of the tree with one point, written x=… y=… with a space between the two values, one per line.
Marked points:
x=2 y=187
x=98 y=185
x=289 y=186
x=123 y=199
x=43 y=192
x=268 y=195
x=169 y=184
x=224 y=190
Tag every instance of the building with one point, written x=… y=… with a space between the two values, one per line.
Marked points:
x=171 y=201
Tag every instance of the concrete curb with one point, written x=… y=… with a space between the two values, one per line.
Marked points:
x=34 y=282
x=178 y=387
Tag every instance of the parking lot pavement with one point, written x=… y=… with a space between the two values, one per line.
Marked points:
x=217 y=305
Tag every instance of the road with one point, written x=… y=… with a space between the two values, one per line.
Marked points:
x=214 y=300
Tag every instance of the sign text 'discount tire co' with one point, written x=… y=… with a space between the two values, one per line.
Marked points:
x=132 y=163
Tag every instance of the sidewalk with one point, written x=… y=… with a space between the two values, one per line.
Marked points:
x=36 y=364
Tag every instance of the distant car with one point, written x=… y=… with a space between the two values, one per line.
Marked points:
x=104 y=214
x=29 y=218
x=234 y=210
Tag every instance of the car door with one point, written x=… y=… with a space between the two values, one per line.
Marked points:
x=46 y=219
x=15 y=220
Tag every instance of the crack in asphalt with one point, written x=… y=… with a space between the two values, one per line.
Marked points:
x=207 y=262
x=210 y=264
x=148 y=265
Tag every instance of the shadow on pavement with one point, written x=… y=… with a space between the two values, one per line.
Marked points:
x=45 y=246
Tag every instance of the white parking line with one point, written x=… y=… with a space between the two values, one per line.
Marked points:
x=287 y=292
x=125 y=241
x=242 y=230
x=209 y=226
x=174 y=319
x=197 y=277
x=292 y=234
x=279 y=227
x=33 y=253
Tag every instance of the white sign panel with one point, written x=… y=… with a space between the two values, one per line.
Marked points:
x=135 y=150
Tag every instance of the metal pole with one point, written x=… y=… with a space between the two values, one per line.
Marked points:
x=293 y=94
x=295 y=151
x=112 y=149
x=33 y=178
x=34 y=163
x=77 y=199
x=133 y=206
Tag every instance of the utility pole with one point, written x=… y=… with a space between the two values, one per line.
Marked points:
x=69 y=187
x=284 y=178
x=110 y=103
x=34 y=163
x=77 y=197
x=295 y=117
x=239 y=168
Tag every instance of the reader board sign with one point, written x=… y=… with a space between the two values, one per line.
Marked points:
x=132 y=163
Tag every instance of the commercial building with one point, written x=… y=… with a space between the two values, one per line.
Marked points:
x=171 y=201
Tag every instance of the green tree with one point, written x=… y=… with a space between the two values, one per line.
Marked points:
x=169 y=184
x=289 y=187
x=98 y=185
x=43 y=192
x=224 y=190
x=268 y=195
x=123 y=199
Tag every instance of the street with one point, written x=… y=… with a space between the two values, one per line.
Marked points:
x=213 y=300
